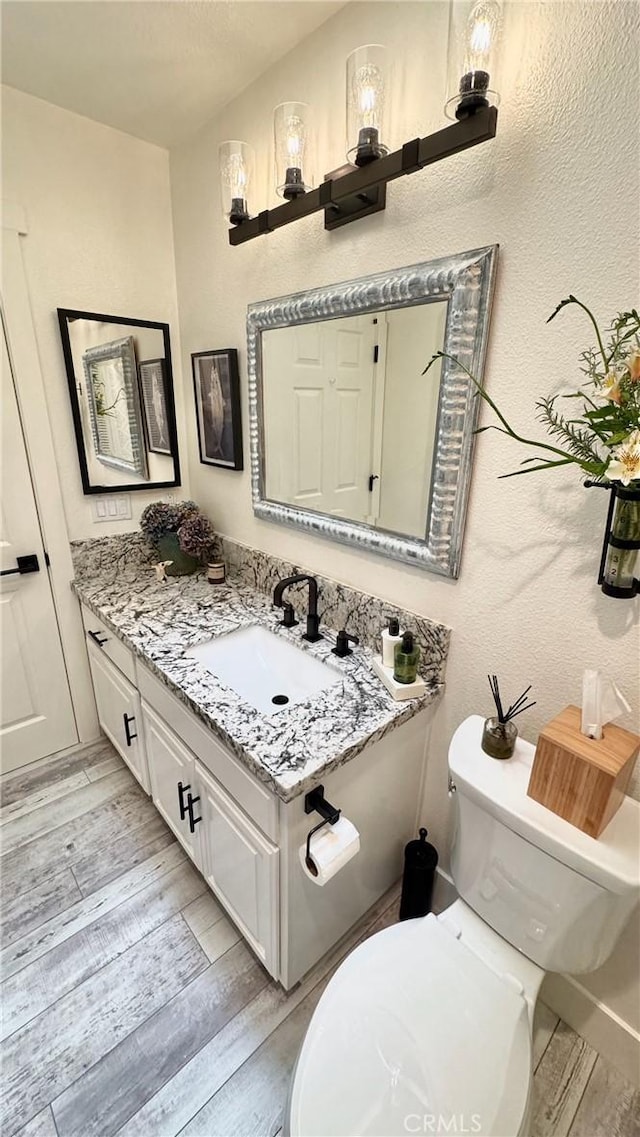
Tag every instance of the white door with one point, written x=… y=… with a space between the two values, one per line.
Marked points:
x=319 y=414
x=349 y=420
x=36 y=713
x=241 y=866
x=171 y=773
x=119 y=713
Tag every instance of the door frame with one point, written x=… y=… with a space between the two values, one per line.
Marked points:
x=22 y=347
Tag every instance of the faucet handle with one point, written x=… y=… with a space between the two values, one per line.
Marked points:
x=312 y=634
x=343 y=639
x=288 y=616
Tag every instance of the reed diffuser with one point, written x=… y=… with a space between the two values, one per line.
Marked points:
x=500 y=733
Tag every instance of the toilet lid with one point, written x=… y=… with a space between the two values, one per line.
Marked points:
x=414 y=1034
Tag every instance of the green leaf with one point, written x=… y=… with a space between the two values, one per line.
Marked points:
x=563 y=303
x=532 y=469
x=434 y=358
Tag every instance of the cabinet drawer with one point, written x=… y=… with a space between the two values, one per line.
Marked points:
x=119 y=713
x=103 y=638
x=255 y=799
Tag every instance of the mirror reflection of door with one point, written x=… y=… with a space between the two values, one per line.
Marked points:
x=319 y=413
x=349 y=419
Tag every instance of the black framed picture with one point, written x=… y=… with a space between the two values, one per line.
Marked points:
x=153 y=389
x=216 y=386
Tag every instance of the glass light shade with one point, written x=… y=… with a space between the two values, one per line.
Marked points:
x=291 y=131
x=475 y=28
x=367 y=81
x=237 y=162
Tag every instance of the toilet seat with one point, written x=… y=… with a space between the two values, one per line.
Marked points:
x=414 y=1033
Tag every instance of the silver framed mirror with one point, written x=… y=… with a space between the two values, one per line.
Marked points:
x=113 y=400
x=349 y=440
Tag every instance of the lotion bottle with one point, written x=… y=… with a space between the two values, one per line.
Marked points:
x=390 y=638
x=407 y=654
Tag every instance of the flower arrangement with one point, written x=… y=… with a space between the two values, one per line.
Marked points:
x=603 y=437
x=196 y=536
x=99 y=399
x=163 y=517
x=181 y=534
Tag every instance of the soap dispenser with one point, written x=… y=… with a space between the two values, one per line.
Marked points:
x=407 y=654
x=391 y=636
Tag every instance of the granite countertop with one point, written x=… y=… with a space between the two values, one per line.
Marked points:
x=288 y=750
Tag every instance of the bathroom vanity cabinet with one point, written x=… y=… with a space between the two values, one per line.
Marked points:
x=243 y=837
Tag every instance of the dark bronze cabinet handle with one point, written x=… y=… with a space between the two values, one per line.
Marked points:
x=181 y=792
x=127 y=719
x=95 y=636
x=193 y=821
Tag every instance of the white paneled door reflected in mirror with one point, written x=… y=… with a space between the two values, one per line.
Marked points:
x=350 y=438
x=349 y=418
x=121 y=388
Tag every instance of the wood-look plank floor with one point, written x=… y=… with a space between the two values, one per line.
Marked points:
x=131 y=1006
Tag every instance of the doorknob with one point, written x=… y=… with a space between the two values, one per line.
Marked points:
x=25 y=564
x=372 y=478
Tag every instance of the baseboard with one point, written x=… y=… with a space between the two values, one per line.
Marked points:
x=606 y=1032
x=27 y=767
x=611 y=1036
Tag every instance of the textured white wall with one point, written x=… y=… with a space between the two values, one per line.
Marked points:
x=558 y=189
x=100 y=239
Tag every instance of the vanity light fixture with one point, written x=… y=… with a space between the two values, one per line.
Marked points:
x=291 y=128
x=475 y=28
x=366 y=89
x=360 y=189
x=236 y=161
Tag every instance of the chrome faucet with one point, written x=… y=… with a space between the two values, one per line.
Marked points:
x=313 y=620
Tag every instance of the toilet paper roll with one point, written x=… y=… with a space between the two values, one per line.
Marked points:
x=330 y=849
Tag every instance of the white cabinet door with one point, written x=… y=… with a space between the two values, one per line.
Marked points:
x=172 y=771
x=241 y=866
x=119 y=713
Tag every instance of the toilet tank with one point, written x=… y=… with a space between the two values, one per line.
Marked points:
x=552 y=891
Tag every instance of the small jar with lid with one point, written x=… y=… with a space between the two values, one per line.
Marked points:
x=216 y=572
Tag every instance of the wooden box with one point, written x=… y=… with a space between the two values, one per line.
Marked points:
x=580 y=779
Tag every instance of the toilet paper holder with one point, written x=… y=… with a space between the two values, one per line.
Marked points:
x=315 y=801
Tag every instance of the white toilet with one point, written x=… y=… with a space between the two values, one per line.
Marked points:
x=426 y=1027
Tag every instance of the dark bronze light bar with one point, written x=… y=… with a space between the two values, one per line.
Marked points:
x=363 y=191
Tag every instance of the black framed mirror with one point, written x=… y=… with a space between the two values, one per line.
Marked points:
x=121 y=389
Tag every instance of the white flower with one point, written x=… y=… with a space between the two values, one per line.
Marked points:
x=625 y=465
x=611 y=387
x=633 y=363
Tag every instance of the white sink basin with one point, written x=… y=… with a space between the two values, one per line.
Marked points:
x=264 y=669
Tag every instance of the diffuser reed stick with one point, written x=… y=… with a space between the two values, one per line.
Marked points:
x=499 y=733
x=516 y=708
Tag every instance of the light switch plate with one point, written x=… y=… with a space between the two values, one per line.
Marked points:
x=111 y=507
